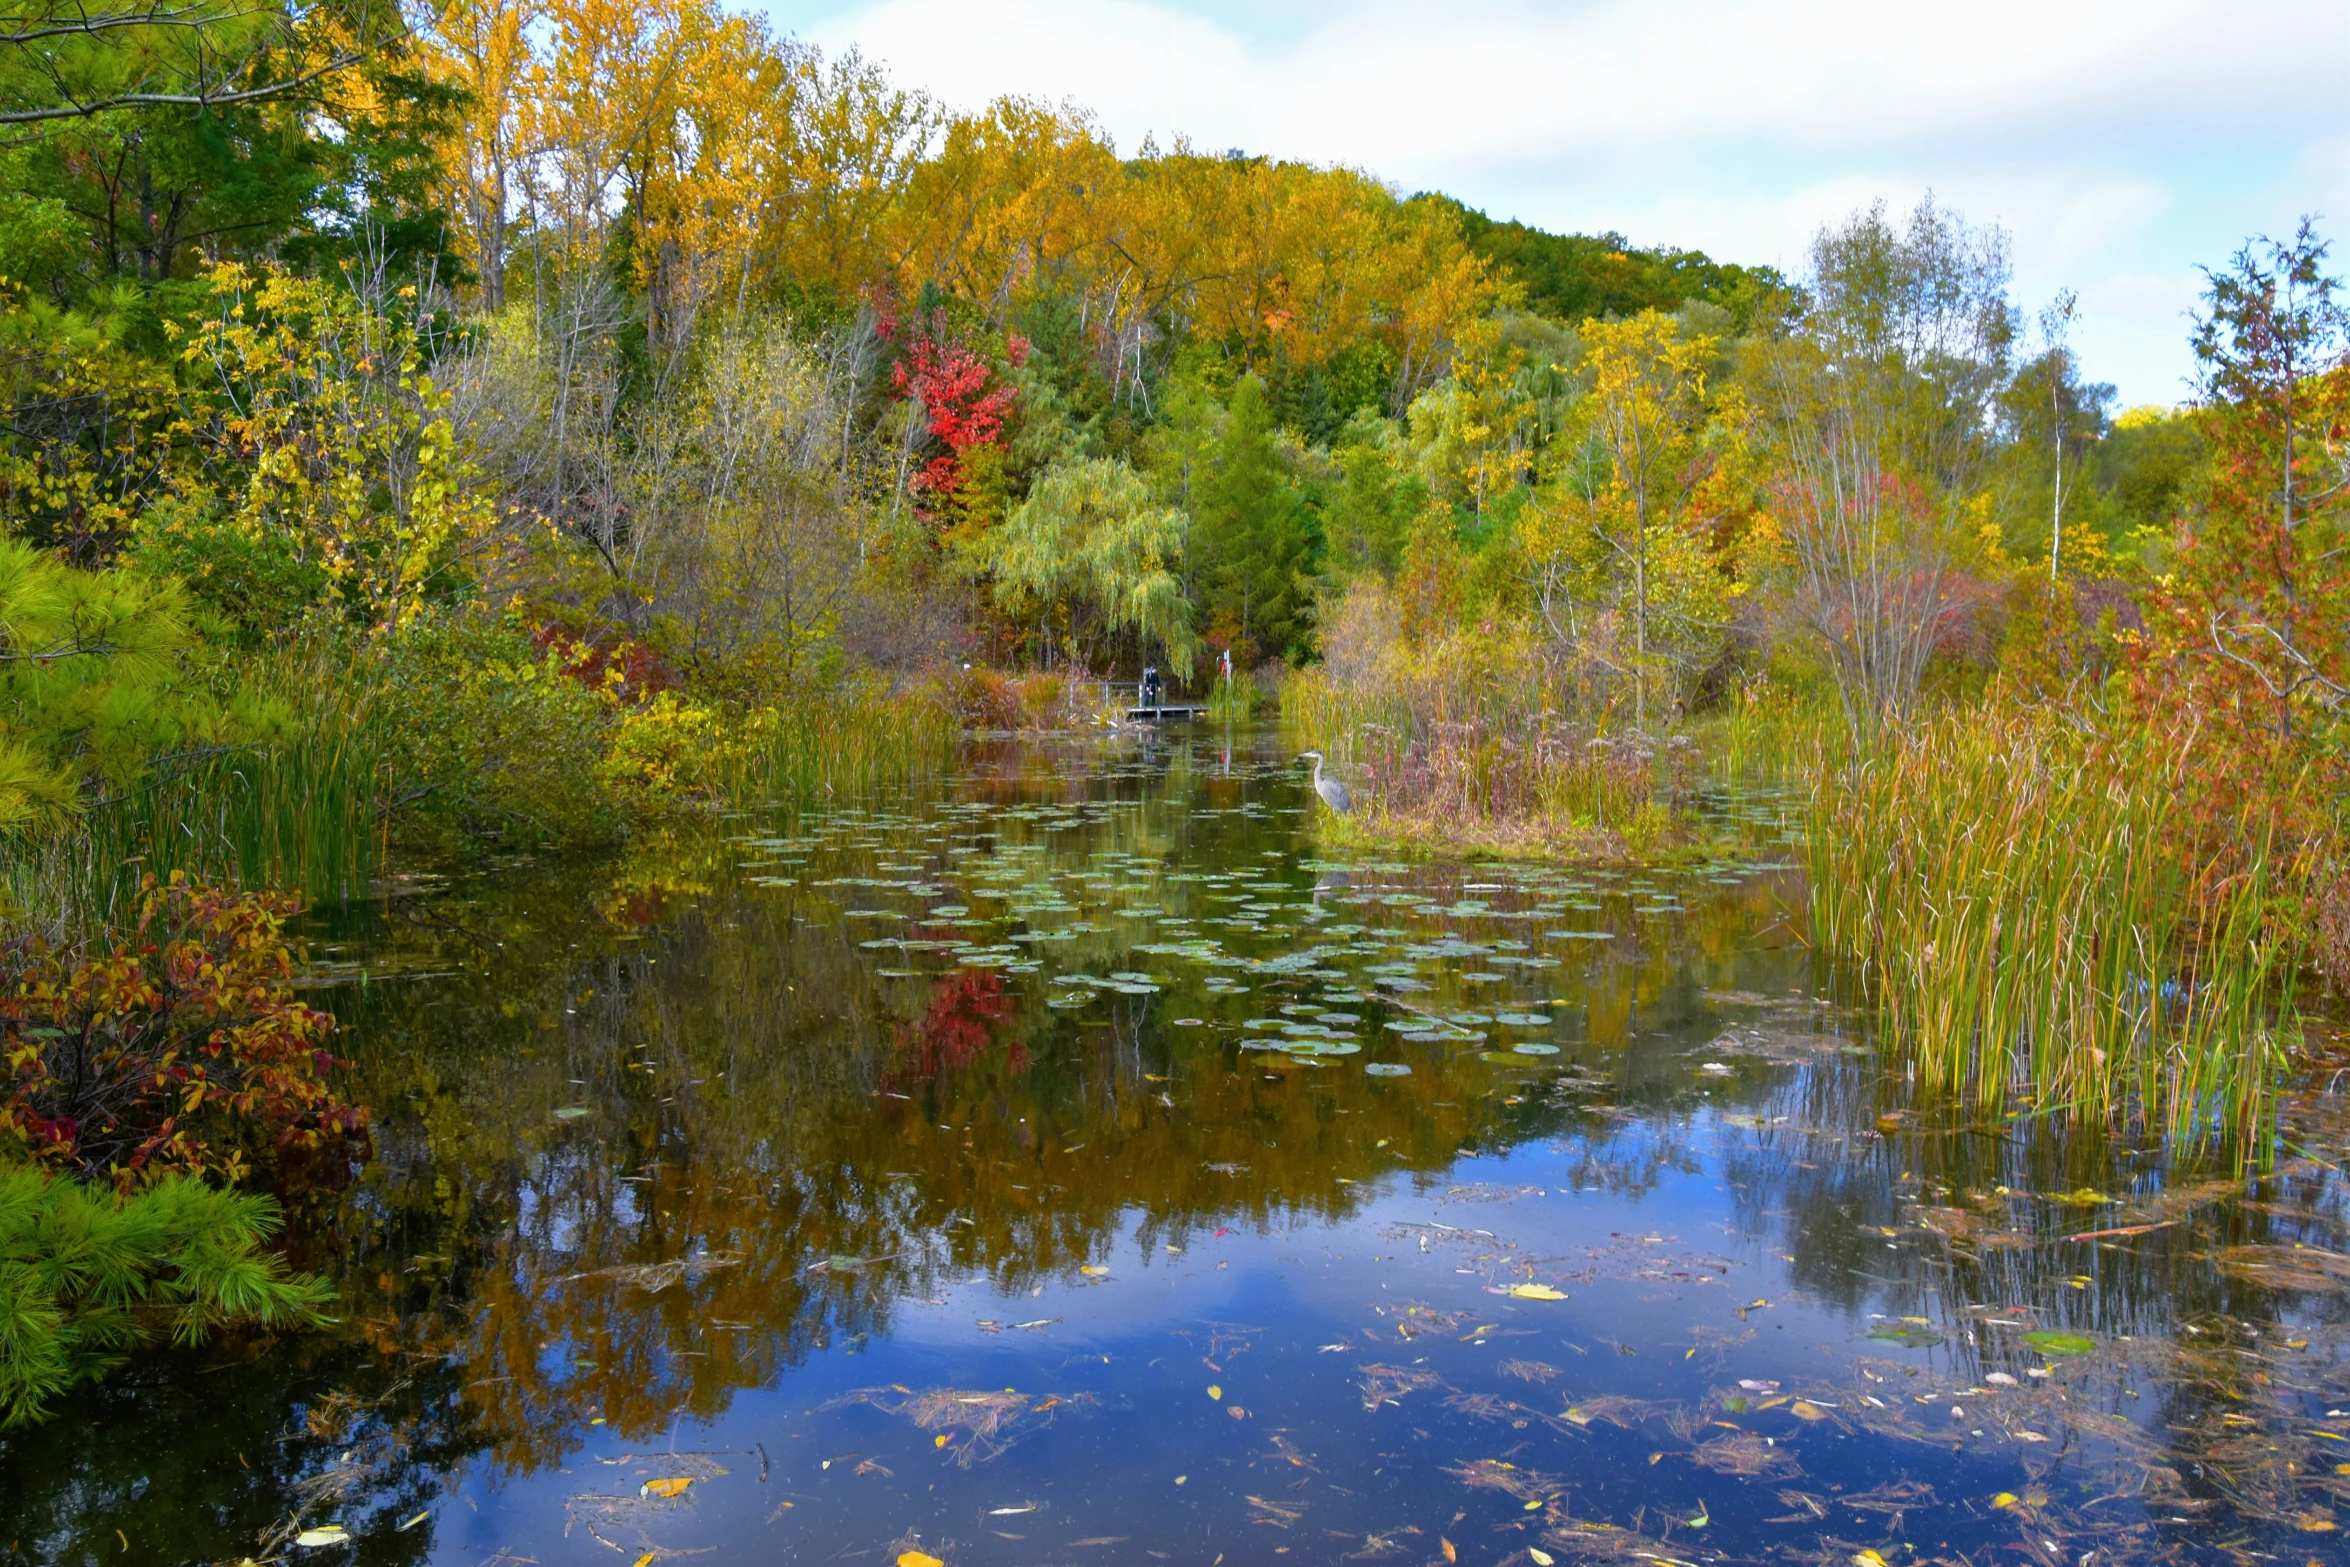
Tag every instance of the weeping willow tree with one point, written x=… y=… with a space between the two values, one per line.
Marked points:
x=1092 y=544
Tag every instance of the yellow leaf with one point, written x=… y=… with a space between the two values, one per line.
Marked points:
x=325 y=1534
x=1867 y=1559
x=918 y=1559
x=940 y=1440
x=1090 y=1271
x=1540 y=1558
x=1803 y=1410
x=670 y=1487
x=648 y=1559
x=1215 y=1391
x=1536 y=1292
x=2004 y=1499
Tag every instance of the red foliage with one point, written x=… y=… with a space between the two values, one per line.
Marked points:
x=961 y=410
x=604 y=660
x=181 y=1049
x=965 y=1007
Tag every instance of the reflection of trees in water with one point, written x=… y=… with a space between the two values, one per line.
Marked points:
x=744 y=1183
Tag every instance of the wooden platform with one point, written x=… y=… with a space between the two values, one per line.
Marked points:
x=1154 y=715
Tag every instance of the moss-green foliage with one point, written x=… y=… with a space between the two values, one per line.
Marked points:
x=89 y=683
x=481 y=736
x=86 y=1277
x=1573 y=277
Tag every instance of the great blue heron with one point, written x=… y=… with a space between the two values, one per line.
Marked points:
x=1333 y=792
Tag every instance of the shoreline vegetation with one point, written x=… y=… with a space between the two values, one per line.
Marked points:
x=408 y=466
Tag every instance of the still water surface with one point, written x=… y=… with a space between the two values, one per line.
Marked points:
x=1079 y=1163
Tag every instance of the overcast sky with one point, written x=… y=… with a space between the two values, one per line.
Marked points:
x=2120 y=144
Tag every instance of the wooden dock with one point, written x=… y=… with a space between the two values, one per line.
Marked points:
x=1164 y=714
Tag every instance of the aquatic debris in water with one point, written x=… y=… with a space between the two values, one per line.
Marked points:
x=1389 y=1384
x=1529 y=1370
x=1745 y=1455
x=654 y=1277
x=974 y=1423
x=1530 y=1486
x=2304 y=1269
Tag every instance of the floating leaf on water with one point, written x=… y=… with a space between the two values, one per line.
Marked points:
x=2050 y=1341
x=324 y=1534
x=675 y=1485
x=1387 y=1069
x=1534 y=1050
x=1804 y=1409
x=1091 y=1271
x=1717 y=1069
x=572 y=1112
x=1537 y=1292
x=1867 y=1559
x=1214 y=1391
x=1522 y=1019
x=1909 y=1335
x=918 y=1559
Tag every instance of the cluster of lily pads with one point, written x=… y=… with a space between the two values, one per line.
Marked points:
x=983 y=885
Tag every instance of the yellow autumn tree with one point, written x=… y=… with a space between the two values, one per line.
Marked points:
x=1621 y=541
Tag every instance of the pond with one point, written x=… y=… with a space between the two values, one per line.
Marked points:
x=1079 y=1161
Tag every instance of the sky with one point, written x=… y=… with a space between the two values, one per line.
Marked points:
x=2120 y=145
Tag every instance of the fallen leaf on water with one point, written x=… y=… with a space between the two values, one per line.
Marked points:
x=1802 y=1409
x=674 y=1486
x=940 y=1440
x=918 y=1559
x=648 y=1559
x=2004 y=1499
x=2313 y=1522
x=1215 y=1391
x=1092 y=1272
x=1536 y=1292
x=1867 y=1559
x=1540 y=1558
x=1450 y=1554
x=325 y=1534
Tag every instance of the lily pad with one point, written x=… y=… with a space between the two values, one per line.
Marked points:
x=1908 y=1335
x=1387 y=1069
x=1534 y=1050
x=2052 y=1341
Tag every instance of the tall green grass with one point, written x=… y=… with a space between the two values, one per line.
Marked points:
x=2026 y=926
x=299 y=811
x=838 y=742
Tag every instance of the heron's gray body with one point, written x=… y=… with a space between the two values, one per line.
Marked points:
x=1333 y=792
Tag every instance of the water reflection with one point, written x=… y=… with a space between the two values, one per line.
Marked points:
x=1081 y=1164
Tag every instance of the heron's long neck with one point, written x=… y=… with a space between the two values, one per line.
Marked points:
x=1317 y=774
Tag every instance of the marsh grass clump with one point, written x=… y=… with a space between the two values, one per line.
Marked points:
x=2026 y=925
